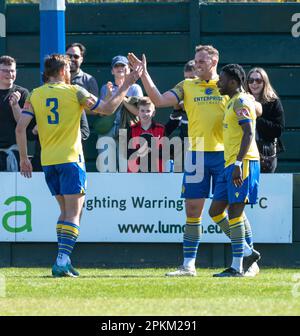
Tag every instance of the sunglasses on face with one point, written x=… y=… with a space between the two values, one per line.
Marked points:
x=257 y=80
x=74 y=56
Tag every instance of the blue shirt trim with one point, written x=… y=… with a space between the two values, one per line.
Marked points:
x=96 y=105
x=241 y=122
x=29 y=113
x=175 y=94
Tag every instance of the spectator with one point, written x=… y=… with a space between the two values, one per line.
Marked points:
x=108 y=126
x=145 y=129
x=76 y=52
x=12 y=99
x=270 y=125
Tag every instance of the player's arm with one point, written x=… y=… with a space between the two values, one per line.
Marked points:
x=107 y=107
x=130 y=107
x=245 y=122
x=166 y=99
x=24 y=120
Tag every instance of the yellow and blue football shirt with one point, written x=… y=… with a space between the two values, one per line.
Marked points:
x=204 y=106
x=239 y=109
x=57 y=109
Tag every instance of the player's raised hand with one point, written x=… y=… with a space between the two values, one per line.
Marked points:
x=26 y=168
x=133 y=76
x=136 y=63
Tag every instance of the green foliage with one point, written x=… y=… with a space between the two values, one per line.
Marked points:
x=32 y=291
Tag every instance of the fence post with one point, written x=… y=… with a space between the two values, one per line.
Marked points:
x=52 y=28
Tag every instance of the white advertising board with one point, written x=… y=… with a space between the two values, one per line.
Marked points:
x=135 y=208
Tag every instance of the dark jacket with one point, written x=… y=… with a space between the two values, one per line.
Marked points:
x=271 y=124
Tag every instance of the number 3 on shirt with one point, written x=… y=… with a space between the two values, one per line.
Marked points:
x=53 y=118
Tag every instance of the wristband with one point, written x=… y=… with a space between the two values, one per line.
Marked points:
x=238 y=163
x=96 y=105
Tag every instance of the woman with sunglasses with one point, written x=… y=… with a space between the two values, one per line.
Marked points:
x=271 y=123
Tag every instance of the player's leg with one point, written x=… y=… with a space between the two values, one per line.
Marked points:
x=220 y=198
x=72 y=188
x=191 y=237
x=59 y=225
x=68 y=234
x=70 y=227
x=192 y=232
x=251 y=257
x=219 y=216
x=196 y=187
x=250 y=261
x=237 y=235
x=251 y=268
x=53 y=182
x=61 y=218
x=236 y=197
x=248 y=231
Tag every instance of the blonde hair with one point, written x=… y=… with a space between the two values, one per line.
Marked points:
x=268 y=94
x=209 y=49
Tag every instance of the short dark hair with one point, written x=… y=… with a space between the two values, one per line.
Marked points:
x=79 y=45
x=53 y=64
x=44 y=78
x=236 y=72
x=189 y=66
x=145 y=101
x=7 y=60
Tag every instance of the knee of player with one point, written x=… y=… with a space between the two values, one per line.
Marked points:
x=212 y=212
x=193 y=211
x=215 y=211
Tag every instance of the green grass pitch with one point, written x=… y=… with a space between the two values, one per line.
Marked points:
x=129 y=292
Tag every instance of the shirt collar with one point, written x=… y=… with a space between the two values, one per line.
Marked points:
x=80 y=74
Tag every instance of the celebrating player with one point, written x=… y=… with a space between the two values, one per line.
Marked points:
x=238 y=183
x=205 y=106
x=57 y=107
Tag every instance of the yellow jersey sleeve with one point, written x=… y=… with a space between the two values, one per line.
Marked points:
x=28 y=97
x=239 y=110
x=28 y=108
x=242 y=107
x=178 y=91
x=82 y=94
